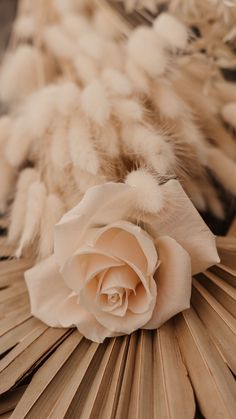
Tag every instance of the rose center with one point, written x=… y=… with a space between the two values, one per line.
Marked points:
x=113 y=298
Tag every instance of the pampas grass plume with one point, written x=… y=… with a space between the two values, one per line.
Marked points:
x=86 y=180
x=93 y=45
x=138 y=77
x=53 y=211
x=68 y=97
x=34 y=210
x=17 y=147
x=59 y=43
x=109 y=140
x=59 y=147
x=147 y=194
x=39 y=109
x=75 y=25
x=25 y=27
x=147 y=51
x=95 y=103
x=142 y=141
x=171 y=30
x=86 y=68
x=19 y=74
x=27 y=177
x=127 y=110
x=169 y=103
x=82 y=152
x=116 y=82
x=105 y=26
x=64 y=7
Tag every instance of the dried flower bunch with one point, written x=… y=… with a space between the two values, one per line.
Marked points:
x=87 y=105
x=90 y=102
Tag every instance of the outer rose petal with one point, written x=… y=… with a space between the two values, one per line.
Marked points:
x=101 y=205
x=47 y=291
x=184 y=224
x=54 y=304
x=173 y=279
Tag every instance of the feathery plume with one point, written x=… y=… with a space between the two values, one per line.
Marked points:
x=141 y=141
x=146 y=50
x=82 y=152
x=17 y=147
x=20 y=73
x=95 y=103
x=17 y=217
x=147 y=194
x=116 y=82
x=127 y=110
x=52 y=213
x=59 y=43
x=171 y=30
x=34 y=210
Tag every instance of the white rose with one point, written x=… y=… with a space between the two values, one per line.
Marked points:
x=108 y=276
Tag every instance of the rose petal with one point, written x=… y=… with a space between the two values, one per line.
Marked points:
x=122 y=277
x=101 y=205
x=84 y=265
x=183 y=223
x=138 y=302
x=173 y=279
x=89 y=327
x=54 y=304
x=121 y=311
x=51 y=300
x=47 y=291
x=126 y=240
x=144 y=279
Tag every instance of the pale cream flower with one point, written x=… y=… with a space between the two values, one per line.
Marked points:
x=108 y=276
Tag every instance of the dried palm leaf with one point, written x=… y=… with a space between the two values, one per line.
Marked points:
x=57 y=373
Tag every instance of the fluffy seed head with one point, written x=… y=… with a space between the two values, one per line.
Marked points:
x=25 y=27
x=67 y=98
x=59 y=43
x=127 y=110
x=146 y=50
x=20 y=73
x=116 y=82
x=95 y=103
x=93 y=45
x=171 y=30
x=148 y=195
x=18 y=146
x=138 y=77
x=86 y=68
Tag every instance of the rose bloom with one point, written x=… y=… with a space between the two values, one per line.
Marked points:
x=108 y=276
